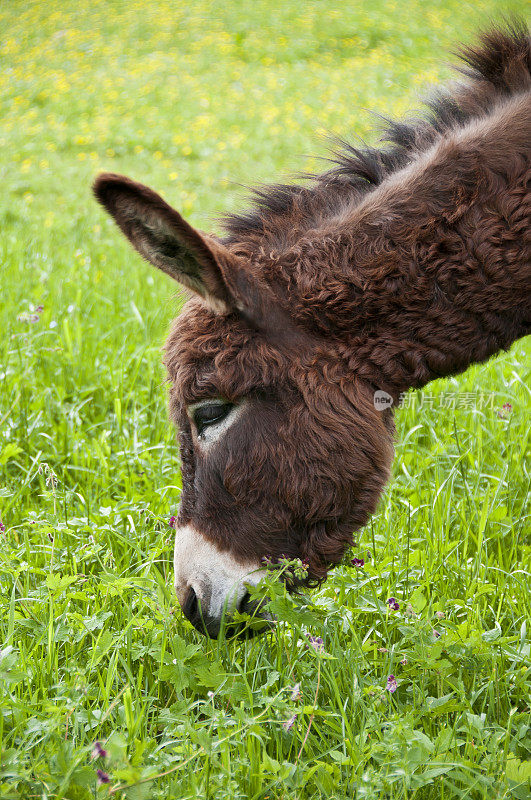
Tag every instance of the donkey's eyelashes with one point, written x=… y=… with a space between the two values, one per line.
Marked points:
x=210 y=413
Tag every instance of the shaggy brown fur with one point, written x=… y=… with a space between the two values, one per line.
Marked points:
x=398 y=266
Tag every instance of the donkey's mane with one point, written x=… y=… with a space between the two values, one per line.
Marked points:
x=497 y=68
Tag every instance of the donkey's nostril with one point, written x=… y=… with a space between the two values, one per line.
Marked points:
x=201 y=620
x=191 y=607
x=245 y=605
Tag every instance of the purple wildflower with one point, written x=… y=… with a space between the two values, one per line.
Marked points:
x=358 y=562
x=393 y=603
x=504 y=411
x=436 y=634
x=31 y=316
x=392 y=685
x=173 y=522
x=103 y=777
x=288 y=724
x=2 y=527
x=316 y=642
x=98 y=751
x=296 y=692
x=404 y=661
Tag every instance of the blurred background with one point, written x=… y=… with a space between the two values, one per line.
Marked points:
x=193 y=98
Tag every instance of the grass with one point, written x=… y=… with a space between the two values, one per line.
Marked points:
x=195 y=99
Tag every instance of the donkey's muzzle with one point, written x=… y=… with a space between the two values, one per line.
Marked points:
x=212 y=586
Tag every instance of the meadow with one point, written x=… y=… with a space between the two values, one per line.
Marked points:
x=105 y=688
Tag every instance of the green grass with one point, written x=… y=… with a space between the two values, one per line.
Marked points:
x=195 y=99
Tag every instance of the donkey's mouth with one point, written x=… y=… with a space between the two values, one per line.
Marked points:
x=260 y=620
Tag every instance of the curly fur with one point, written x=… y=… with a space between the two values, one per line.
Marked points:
x=397 y=266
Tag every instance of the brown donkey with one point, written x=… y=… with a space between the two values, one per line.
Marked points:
x=397 y=266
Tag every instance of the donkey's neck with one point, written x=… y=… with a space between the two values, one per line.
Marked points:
x=432 y=271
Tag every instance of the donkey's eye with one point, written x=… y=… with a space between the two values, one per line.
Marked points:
x=210 y=414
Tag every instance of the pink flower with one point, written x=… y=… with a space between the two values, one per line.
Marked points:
x=392 y=685
x=31 y=316
x=2 y=527
x=103 y=777
x=98 y=751
x=173 y=522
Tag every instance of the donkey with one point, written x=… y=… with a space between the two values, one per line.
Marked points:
x=398 y=265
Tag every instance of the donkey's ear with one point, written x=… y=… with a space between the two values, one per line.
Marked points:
x=164 y=238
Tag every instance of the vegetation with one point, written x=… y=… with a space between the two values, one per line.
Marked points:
x=421 y=686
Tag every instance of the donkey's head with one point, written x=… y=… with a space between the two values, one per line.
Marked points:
x=283 y=453
x=313 y=301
